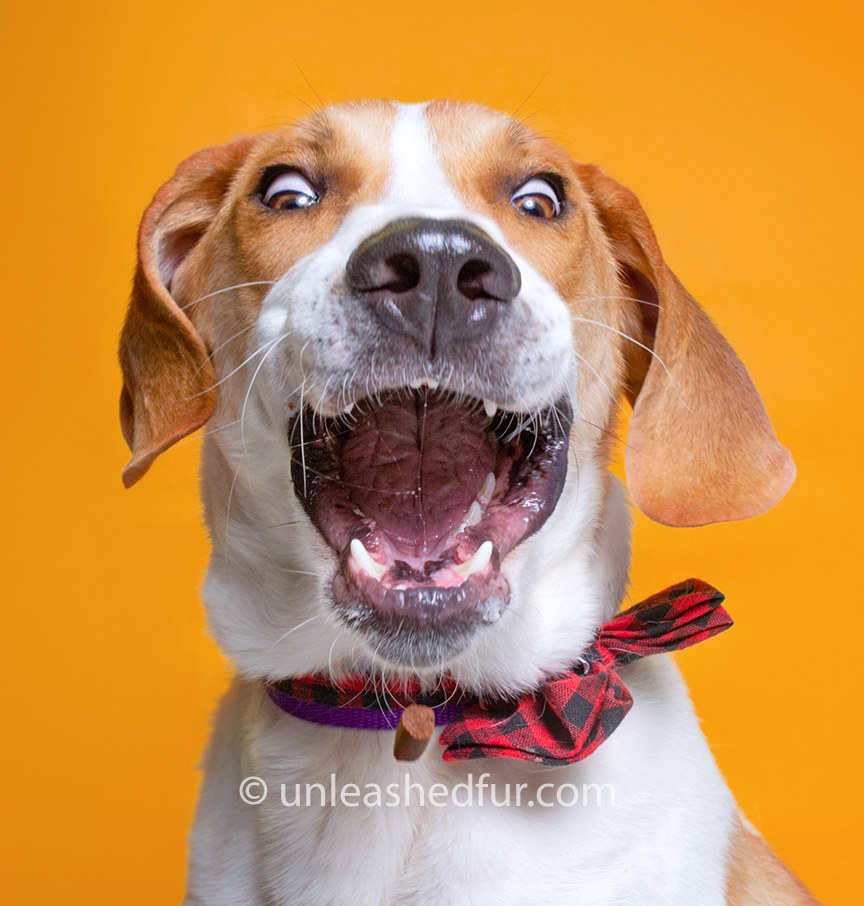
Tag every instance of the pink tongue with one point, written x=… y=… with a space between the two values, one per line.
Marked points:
x=415 y=464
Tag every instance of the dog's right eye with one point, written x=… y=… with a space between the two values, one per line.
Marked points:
x=289 y=191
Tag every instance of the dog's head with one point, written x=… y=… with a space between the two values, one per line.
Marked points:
x=400 y=324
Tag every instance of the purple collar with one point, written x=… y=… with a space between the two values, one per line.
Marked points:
x=358 y=704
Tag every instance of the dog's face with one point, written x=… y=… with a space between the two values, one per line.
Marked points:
x=409 y=329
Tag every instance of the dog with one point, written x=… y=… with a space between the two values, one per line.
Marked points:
x=407 y=331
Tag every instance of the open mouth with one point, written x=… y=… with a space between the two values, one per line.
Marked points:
x=422 y=494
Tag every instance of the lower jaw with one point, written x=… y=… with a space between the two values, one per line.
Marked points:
x=421 y=627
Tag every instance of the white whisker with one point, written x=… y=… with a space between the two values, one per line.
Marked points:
x=252 y=383
x=614 y=298
x=248 y=359
x=612 y=396
x=227 y=289
x=226 y=342
x=648 y=349
x=295 y=628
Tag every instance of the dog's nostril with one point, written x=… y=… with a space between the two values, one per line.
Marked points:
x=405 y=273
x=473 y=280
x=478 y=279
x=396 y=273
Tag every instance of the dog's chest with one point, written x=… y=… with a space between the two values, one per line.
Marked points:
x=629 y=822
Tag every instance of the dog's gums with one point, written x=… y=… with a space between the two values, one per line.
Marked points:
x=421 y=495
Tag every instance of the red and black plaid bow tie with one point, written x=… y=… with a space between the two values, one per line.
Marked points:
x=567 y=718
x=561 y=722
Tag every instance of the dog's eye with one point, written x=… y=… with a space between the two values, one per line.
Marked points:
x=289 y=191
x=537 y=198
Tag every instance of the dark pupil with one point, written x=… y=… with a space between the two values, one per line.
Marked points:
x=292 y=200
x=533 y=206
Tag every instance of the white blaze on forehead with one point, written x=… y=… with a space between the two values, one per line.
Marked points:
x=416 y=176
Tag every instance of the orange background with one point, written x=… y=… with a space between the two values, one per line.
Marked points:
x=738 y=124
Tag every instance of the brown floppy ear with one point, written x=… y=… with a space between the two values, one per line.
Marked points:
x=701 y=447
x=168 y=381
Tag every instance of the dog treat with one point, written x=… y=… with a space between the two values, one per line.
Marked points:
x=413 y=733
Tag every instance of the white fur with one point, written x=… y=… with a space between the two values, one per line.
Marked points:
x=416 y=177
x=663 y=842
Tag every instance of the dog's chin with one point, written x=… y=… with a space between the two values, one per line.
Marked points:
x=421 y=495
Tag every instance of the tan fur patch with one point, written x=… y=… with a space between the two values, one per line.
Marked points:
x=757 y=876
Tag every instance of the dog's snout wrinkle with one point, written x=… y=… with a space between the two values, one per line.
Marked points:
x=439 y=282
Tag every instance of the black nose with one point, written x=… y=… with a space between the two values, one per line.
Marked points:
x=439 y=282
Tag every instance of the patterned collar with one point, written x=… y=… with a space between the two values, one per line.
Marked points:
x=561 y=721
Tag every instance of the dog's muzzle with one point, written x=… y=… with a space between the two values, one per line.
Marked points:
x=421 y=490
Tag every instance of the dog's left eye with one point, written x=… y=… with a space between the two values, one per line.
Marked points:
x=537 y=198
x=289 y=191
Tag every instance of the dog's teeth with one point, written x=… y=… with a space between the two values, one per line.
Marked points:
x=474 y=514
x=348 y=409
x=490 y=408
x=429 y=382
x=484 y=495
x=479 y=561
x=363 y=559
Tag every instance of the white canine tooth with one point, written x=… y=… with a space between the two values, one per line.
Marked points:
x=363 y=559
x=348 y=409
x=479 y=561
x=484 y=495
x=431 y=383
x=490 y=407
x=474 y=514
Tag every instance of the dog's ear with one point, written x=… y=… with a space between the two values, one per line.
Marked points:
x=168 y=381
x=701 y=448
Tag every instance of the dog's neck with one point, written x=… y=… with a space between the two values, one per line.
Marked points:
x=565 y=581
